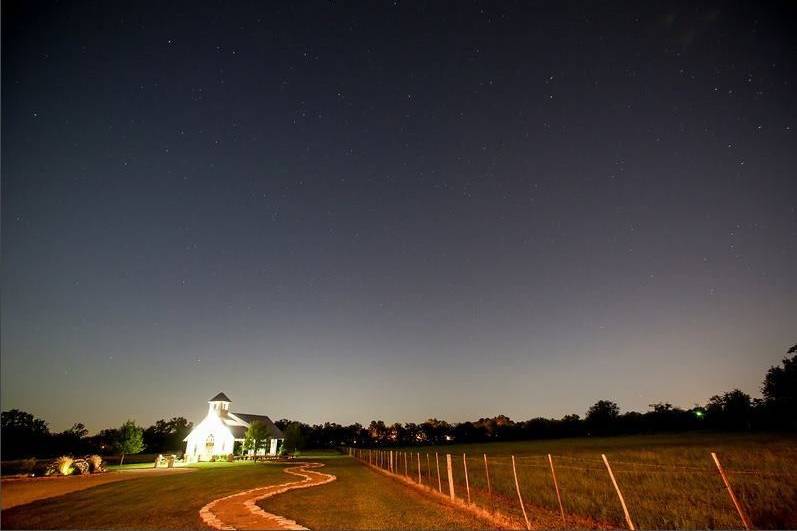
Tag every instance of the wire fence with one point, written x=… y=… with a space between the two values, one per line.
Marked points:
x=583 y=491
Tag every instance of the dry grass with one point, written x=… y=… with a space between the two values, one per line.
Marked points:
x=668 y=481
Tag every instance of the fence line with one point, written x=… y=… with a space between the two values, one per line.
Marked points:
x=493 y=491
x=520 y=496
x=467 y=483
x=745 y=521
x=558 y=494
x=619 y=494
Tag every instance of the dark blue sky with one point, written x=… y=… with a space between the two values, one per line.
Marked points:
x=393 y=210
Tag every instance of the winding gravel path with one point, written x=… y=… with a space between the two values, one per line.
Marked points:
x=239 y=510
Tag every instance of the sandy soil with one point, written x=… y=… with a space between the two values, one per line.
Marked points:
x=19 y=491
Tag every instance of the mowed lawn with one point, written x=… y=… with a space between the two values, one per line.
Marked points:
x=669 y=481
x=169 y=501
x=362 y=498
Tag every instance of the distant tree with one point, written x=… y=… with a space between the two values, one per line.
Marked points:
x=780 y=392
x=377 y=432
x=105 y=441
x=437 y=431
x=72 y=441
x=294 y=440
x=256 y=435
x=167 y=435
x=23 y=435
x=571 y=426
x=412 y=432
x=602 y=417
x=131 y=439
x=730 y=411
x=396 y=434
x=466 y=432
x=78 y=430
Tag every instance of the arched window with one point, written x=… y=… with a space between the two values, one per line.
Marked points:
x=210 y=442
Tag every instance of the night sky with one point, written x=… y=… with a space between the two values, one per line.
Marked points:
x=349 y=211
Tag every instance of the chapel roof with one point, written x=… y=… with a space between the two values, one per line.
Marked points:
x=240 y=431
x=221 y=397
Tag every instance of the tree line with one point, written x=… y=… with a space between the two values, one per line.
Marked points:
x=24 y=435
x=27 y=436
x=730 y=411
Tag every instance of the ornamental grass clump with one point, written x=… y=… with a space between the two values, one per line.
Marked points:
x=64 y=465
x=95 y=463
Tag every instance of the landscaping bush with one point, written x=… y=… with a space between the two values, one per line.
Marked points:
x=230 y=458
x=95 y=463
x=81 y=466
x=62 y=465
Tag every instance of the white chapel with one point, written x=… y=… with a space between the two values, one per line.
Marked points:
x=218 y=432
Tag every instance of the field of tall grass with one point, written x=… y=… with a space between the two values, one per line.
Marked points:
x=668 y=481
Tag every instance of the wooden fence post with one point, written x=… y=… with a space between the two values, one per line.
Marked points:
x=406 y=473
x=558 y=495
x=489 y=486
x=437 y=464
x=619 y=494
x=519 y=497
x=736 y=503
x=418 y=455
x=467 y=483
x=450 y=476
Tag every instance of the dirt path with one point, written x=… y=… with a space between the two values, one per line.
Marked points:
x=239 y=510
x=19 y=491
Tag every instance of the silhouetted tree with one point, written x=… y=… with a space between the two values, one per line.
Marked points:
x=377 y=432
x=294 y=440
x=73 y=441
x=602 y=417
x=730 y=411
x=167 y=435
x=23 y=435
x=780 y=392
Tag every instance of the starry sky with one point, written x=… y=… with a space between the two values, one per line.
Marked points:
x=398 y=210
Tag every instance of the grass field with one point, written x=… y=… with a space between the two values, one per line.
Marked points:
x=171 y=501
x=668 y=481
x=360 y=498
x=364 y=499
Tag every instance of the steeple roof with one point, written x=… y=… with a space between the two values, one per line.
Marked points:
x=221 y=397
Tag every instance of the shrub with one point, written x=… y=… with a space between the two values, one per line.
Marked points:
x=95 y=463
x=212 y=458
x=230 y=458
x=64 y=465
x=81 y=466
